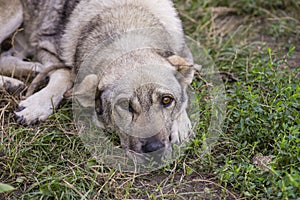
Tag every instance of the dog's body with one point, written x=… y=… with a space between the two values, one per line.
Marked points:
x=140 y=63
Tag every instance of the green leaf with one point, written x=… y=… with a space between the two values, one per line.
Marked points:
x=6 y=188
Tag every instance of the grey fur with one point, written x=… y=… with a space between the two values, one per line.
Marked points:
x=121 y=37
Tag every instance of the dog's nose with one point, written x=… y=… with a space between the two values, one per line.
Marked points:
x=152 y=145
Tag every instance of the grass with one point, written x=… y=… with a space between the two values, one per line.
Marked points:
x=256 y=156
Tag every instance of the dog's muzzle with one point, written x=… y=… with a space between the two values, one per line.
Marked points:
x=152 y=145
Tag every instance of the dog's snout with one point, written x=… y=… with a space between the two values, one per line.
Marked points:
x=152 y=145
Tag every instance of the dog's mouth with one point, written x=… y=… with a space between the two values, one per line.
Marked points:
x=151 y=151
x=140 y=148
x=158 y=143
x=152 y=145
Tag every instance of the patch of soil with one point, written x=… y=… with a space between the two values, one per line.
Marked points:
x=193 y=186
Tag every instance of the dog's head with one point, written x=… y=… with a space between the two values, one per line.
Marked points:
x=145 y=100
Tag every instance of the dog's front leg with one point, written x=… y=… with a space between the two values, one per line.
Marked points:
x=14 y=66
x=11 y=85
x=41 y=104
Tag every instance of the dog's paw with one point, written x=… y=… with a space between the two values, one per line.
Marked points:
x=40 y=105
x=33 y=109
x=182 y=129
x=11 y=85
x=15 y=87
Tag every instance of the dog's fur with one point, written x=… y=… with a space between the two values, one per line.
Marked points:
x=142 y=45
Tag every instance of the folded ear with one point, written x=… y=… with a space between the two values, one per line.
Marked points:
x=86 y=90
x=185 y=69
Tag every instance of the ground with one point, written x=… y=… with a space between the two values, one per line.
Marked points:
x=256 y=48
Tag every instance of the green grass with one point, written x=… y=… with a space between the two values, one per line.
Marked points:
x=263 y=118
x=256 y=157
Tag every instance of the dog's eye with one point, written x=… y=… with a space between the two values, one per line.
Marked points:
x=125 y=104
x=166 y=101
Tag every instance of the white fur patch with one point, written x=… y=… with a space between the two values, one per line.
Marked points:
x=181 y=130
x=41 y=104
x=13 y=83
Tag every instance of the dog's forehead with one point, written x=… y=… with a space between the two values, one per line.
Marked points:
x=154 y=80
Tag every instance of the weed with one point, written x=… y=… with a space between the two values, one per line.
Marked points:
x=255 y=44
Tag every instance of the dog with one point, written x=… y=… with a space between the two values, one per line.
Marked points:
x=127 y=59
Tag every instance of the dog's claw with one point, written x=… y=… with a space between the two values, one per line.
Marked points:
x=14 y=90
x=12 y=86
x=34 y=122
x=20 y=108
x=20 y=119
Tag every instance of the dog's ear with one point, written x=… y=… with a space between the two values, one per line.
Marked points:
x=86 y=90
x=185 y=69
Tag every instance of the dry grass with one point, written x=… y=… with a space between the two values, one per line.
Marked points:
x=49 y=161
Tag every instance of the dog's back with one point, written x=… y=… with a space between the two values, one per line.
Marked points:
x=64 y=27
x=44 y=23
x=97 y=20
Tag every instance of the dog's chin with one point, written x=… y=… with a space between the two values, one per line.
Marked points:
x=151 y=159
